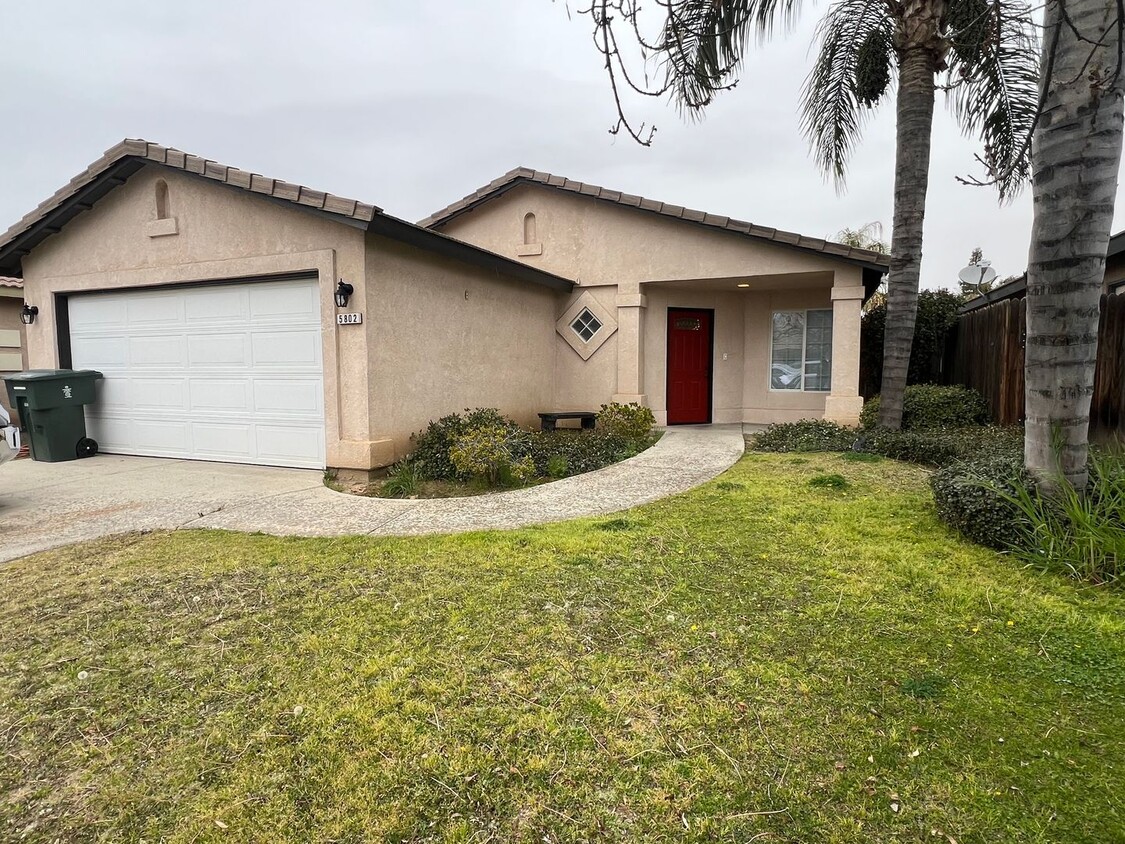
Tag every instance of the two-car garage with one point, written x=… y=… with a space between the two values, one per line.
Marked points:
x=229 y=372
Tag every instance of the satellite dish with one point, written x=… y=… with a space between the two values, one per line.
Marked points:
x=977 y=275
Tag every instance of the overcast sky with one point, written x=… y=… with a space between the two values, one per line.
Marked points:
x=411 y=105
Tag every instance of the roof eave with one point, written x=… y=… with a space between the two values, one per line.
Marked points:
x=443 y=244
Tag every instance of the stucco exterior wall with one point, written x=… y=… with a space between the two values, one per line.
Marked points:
x=221 y=233
x=624 y=256
x=596 y=242
x=444 y=337
x=13 y=356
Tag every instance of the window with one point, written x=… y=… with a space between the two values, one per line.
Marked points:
x=801 y=351
x=586 y=325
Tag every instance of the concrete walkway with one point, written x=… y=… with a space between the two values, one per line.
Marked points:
x=45 y=505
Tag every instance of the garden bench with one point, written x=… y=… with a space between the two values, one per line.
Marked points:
x=549 y=420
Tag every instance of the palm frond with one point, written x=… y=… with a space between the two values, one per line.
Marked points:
x=704 y=42
x=832 y=107
x=995 y=92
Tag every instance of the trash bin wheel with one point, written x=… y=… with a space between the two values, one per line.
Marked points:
x=87 y=447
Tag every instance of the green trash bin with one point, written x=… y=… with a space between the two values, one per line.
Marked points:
x=50 y=403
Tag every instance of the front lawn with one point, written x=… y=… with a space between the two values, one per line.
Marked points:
x=796 y=652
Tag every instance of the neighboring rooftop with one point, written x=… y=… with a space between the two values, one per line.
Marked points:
x=126 y=158
x=525 y=175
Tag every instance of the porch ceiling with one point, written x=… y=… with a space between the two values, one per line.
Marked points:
x=750 y=283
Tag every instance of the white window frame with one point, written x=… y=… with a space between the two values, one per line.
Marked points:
x=804 y=350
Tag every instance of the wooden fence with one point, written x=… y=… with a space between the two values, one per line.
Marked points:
x=985 y=352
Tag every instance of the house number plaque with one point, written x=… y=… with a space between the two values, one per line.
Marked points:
x=349 y=319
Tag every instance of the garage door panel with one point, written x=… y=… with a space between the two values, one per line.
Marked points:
x=229 y=372
x=289 y=396
x=288 y=444
x=100 y=352
x=225 y=305
x=295 y=304
x=279 y=349
x=222 y=441
x=221 y=394
x=155 y=352
x=163 y=394
x=151 y=436
x=154 y=310
x=218 y=350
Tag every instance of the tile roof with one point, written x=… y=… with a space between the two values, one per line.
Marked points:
x=10 y=282
x=525 y=175
x=146 y=151
x=126 y=158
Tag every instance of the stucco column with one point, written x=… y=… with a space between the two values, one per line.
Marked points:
x=631 y=348
x=844 y=403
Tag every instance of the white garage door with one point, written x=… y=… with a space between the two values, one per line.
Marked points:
x=228 y=372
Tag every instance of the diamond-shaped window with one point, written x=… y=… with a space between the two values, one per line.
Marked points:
x=586 y=325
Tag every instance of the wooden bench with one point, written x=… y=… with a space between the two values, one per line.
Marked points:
x=549 y=420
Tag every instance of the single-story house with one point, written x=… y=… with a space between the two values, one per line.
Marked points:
x=245 y=319
x=12 y=357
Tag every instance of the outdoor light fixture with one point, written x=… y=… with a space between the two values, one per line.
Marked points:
x=343 y=293
x=28 y=314
x=744 y=284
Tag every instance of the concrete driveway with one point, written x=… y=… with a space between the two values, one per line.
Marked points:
x=45 y=505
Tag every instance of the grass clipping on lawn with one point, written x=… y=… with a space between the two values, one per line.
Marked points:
x=758 y=660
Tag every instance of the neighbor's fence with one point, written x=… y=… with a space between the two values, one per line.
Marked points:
x=985 y=352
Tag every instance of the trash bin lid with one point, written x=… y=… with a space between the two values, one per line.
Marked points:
x=53 y=374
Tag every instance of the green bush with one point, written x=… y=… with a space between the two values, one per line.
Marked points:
x=806 y=435
x=632 y=421
x=940 y=446
x=933 y=406
x=432 y=446
x=1081 y=534
x=977 y=498
x=938 y=311
x=581 y=451
x=488 y=450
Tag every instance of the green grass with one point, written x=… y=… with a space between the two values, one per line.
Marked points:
x=757 y=660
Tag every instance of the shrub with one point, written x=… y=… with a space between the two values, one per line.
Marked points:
x=1082 y=534
x=806 y=435
x=977 y=498
x=940 y=447
x=485 y=451
x=432 y=446
x=403 y=480
x=632 y=421
x=558 y=466
x=933 y=406
x=938 y=311
x=582 y=451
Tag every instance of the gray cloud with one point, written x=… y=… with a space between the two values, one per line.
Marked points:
x=412 y=105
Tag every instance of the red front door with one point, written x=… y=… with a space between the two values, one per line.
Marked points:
x=689 y=366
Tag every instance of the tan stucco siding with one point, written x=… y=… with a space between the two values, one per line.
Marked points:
x=445 y=337
x=596 y=242
x=221 y=233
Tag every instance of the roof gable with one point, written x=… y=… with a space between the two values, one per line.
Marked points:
x=523 y=175
x=126 y=158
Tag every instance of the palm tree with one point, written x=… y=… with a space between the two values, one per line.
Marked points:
x=1076 y=154
x=986 y=49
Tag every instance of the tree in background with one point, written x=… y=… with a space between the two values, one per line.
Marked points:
x=868 y=236
x=938 y=311
x=986 y=48
x=1076 y=156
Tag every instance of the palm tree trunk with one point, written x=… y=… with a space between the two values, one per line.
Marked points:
x=915 y=114
x=1076 y=152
